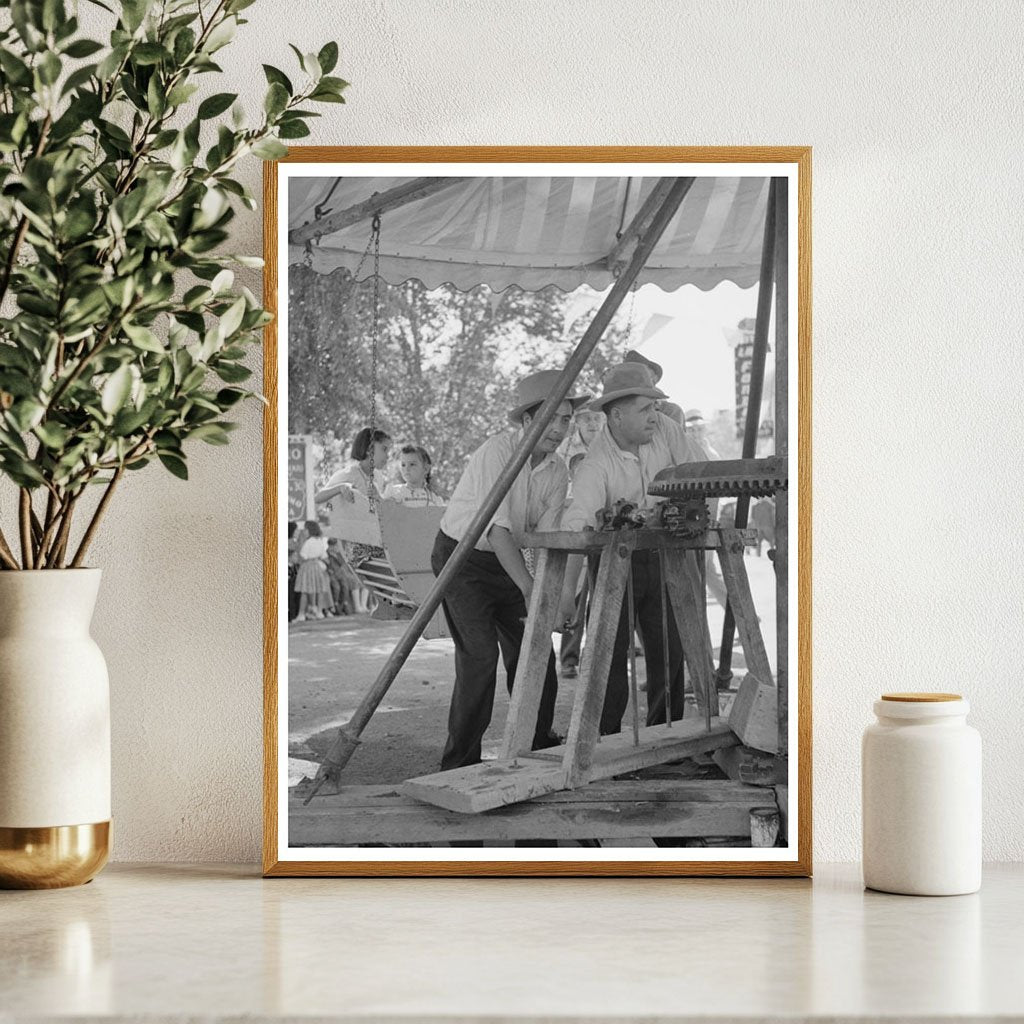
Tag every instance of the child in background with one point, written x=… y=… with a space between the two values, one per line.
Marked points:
x=343 y=580
x=312 y=582
x=416 y=490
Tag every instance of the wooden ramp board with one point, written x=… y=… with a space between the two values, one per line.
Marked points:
x=483 y=787
x=610 y=810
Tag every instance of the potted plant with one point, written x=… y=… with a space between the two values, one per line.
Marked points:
x=122 y=343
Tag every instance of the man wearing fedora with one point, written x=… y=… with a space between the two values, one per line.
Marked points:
x=637 y=443
x=485 y=603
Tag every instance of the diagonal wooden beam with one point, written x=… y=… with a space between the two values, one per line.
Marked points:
x=382 y=202
x=627 y=242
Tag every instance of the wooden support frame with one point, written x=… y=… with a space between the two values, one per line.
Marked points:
x=619 y=809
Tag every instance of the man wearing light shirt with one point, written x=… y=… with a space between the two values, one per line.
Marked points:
x=485 y=604
x=637 y=443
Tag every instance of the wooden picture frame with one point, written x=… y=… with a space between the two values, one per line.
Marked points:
x=785 y=264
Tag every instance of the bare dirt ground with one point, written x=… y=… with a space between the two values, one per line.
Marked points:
x=332 y=664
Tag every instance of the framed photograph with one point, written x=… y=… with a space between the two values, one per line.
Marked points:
x=540 y=604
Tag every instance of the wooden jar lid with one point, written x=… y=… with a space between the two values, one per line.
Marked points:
x=921 y=698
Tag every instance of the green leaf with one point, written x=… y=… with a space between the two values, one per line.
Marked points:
x=83 y=48
x=232 y=373
x=211 y=433
x=52 y=435
x=326 y=96
x=134 y=13
x=144 y=338
x=269 y=149
x=175 y=465
x=214 y=105
x=184 y=44
x=221 y=35
x=16 y=70
x=128 y=421
x=334 y=84
x=276 y=100
x=78 y=78
x=116 y=390
x=26 y=414
x=278 y=77
x=222 y=282
x=232 y=319
x=49 y=68
x=328 y=58
x=292 y=130
x=181 y=94
x=149 y=53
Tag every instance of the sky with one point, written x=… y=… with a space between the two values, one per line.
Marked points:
x=687 y=332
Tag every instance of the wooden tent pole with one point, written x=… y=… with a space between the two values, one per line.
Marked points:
x=348 y=735
x=619 y=255
x=400 y=195
x=782 y=448
x=764 y=309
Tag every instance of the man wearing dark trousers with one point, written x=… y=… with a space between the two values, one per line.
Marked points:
x=636 y=444
x=485 y=603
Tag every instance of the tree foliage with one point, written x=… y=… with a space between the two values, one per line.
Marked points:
x=448 y=361
x=126 y=336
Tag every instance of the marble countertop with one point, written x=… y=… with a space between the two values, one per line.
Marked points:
x=180 y=941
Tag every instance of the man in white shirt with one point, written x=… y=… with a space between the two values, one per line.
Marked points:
x=485 y=604
x=635 y=445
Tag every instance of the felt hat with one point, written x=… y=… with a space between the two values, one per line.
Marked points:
x=535 y=388
x=672 y=411
x=632 y=356
x=623 y=381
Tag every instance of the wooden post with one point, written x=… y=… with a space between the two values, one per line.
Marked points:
x=764 y=826
x=782 y=448
x=348 y=735
x=686 y=600
x=606 y=607
x=534 y=653
x=764 y=309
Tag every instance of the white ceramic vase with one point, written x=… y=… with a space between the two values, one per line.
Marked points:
x=54 y=731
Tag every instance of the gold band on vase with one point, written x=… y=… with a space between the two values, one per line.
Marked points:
x=53 y=857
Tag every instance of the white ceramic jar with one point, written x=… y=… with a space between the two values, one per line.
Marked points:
x=921 y=778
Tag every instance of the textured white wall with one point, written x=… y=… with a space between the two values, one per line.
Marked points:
x=914 y=113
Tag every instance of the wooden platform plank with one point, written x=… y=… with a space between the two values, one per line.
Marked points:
x=492 y=784
x=357 y=815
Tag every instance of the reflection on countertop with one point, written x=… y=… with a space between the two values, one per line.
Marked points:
x=177 y=941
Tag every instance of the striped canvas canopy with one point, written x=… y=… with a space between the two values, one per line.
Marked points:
x=532 y=232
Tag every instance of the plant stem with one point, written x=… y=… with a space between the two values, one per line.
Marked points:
x=6 y=554
x=97 y=516
x=25 y=523
x=56 y=555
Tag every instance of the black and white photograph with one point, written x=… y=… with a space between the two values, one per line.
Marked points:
x=539 y=558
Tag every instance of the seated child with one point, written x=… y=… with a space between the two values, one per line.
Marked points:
x=416 y=490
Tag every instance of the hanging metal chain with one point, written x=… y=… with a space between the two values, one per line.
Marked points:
x=374 y=356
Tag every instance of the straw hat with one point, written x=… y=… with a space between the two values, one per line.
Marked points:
x=626 y=380
x=535 y=388
x=632 y=356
